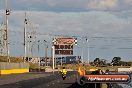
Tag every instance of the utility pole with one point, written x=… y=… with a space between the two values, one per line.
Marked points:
x=87 y=40
x=55 y=63
x=38 y=55
x=25 y=22
x=29 y=48
x=2 y=39
x=53 y=56
x=6 y=31
x=82 y=53
x=46 y=47
x=61 y=60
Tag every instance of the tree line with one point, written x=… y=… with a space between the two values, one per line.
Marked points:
x=116 y=61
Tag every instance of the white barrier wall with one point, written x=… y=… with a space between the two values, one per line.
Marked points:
x=7 y=66
x=13 y=68
x=125 y=69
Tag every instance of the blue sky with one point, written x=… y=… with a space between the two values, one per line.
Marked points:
x=109 y=19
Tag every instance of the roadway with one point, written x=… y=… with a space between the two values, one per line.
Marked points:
x=41 y=80
x=45 y=80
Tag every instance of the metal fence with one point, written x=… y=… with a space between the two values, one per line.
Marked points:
x=8 y=66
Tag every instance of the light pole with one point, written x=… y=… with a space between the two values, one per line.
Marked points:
x=61 y=60
x=8 y=11
x=53 y=56
x=87 y=40
x=25 y=22
x=82 y=54
x=46 y=52
x=38 y=54
x=29 y=48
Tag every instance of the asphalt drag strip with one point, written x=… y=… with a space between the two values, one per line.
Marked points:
x=35 y=83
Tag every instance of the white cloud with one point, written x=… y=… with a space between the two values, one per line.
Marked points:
x=72 y=5
x=93 y=22
x=32 y=1
x=128 y=1
x=103 y=4
x=68 y=3
x=127 y=4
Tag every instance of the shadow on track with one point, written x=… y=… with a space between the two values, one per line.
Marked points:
x=90 y=85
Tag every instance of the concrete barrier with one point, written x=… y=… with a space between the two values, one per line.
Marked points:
x=11 y=68
x=125 y=69
x=13 y=71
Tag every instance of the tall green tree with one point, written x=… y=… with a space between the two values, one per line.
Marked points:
x=103 y=62
x=99 y=62
x=116 y=61
x=96 y=61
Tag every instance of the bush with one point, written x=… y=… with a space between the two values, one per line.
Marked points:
x=33 y=65
x=12 y=59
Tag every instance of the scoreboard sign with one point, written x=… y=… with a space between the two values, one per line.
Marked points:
x=64 y=52
x=65 y=41
x=64 y=46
